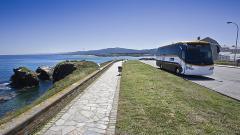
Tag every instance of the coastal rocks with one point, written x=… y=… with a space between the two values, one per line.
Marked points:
x=67 y=67
x=24 y=77
x=63 y=69
x=7 y=97
x=44 y=73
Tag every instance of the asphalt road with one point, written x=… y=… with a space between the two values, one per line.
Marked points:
x=224 y=80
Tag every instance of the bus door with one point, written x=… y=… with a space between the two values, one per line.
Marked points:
x=182 y=63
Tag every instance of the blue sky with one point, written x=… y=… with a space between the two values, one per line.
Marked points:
x=50 y=26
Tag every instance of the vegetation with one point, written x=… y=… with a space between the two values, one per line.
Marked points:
x=24 y=69
x=123 y=54
x=105 y=63
x=78 y=74
x=155 y=102
x=23 y=77
x=78 y=64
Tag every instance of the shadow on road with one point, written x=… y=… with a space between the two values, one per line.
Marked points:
x=191 y=77
x=197 y=78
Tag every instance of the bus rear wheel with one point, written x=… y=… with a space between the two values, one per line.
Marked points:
x=160 y=66
x=178 y=71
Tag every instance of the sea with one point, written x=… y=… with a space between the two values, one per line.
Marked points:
x=12 y=99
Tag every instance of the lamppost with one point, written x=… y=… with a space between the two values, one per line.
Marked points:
x=236 y=39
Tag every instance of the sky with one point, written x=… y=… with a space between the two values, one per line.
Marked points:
x=52 y=26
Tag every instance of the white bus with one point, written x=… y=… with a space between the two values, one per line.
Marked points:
x=188 y=58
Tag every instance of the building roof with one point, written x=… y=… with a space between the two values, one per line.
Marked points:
x=210 y=40
x=213 y=42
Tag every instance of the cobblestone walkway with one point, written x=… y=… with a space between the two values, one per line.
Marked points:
x=91 y=113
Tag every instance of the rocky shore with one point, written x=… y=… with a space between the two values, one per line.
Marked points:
x=63 y=69
x=7 y=96
x=44 y=73
x=25 y=78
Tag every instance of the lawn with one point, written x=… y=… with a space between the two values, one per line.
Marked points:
x=155 y=102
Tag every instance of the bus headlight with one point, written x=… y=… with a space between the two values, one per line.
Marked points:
x=189 y=67
x=211 y=68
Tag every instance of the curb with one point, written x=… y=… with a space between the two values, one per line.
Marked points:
x=228 y=66
x=30 y=121
x=111 y=128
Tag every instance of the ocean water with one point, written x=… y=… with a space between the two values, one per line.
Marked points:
x=14 y=98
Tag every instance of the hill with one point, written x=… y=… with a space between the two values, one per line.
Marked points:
x=115 y=51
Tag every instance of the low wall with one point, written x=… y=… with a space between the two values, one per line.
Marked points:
x=32 y=120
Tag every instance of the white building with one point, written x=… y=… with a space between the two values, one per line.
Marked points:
x=225 y=56
x=228 y=56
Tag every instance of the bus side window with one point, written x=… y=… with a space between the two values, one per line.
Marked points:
x=183 y=55
x=171 y=59
x=158 y=52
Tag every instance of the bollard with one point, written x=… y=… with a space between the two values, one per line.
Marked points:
x=119 y=70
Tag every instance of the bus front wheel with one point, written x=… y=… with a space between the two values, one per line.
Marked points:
x=177 y=71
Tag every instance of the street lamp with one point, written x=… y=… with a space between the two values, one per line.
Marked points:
x=236 y=39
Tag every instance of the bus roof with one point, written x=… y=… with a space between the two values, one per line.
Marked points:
x=197 y=42
x=194 y=42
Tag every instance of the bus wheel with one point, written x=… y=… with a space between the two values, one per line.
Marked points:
x=160 y=66
x=177 y=71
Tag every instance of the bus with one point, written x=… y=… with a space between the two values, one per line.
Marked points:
x=187 y=58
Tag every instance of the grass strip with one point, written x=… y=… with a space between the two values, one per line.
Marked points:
x=154 y=102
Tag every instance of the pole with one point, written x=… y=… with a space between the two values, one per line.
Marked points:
x=235 y=52
x=236 y=43
x=237 y=38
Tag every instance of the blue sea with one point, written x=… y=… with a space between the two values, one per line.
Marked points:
x=18 y=98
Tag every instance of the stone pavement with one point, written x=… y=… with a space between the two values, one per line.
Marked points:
x=93 y=112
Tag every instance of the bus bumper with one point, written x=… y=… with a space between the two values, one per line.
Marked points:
x=198 y=70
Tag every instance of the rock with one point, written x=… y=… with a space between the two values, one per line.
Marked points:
x=44 y=73
x=62 y=70
x=24 y=77
x=7 y=97
x=65 y=68
x=4 y=98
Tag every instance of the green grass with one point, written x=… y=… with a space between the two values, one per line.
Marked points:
x=155 y=102
x=84 y=69
x=105 y=63
x=26 y=70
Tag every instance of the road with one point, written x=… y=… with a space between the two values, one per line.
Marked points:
x=224 y=80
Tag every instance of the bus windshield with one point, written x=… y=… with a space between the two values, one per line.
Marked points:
x=199 y=54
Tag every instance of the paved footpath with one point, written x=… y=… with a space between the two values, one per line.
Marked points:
x=93 y=112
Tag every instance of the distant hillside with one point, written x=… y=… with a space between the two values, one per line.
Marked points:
x=115 y=51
